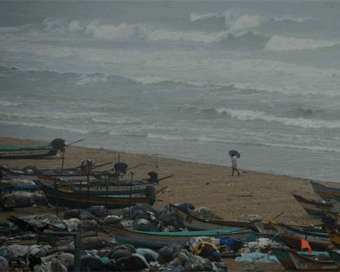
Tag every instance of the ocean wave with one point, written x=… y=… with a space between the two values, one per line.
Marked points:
x=280 y=43
x=15 y=29
x=91 y=79
x=246 y=22
x=150 y=80
x=167 y=137
x=118 y=121
x=205 y=16
x=247 y=40
x=8 y=103
x=34 y=72
x=307 y=112
x=240 y=30
x=207 y=139
x=46 y=126
x=289 y=18
x=234 y=20
x=300 y=147
x=49 y=115
x=249 y=115
x=127 y=134
x=130 y=32
x=197 y=138
x=121 y=31
x=141 y=32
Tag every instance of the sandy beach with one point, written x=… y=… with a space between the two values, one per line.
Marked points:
x=252 y=194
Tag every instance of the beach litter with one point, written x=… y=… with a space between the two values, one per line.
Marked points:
x=257 y=257
x=52 y=243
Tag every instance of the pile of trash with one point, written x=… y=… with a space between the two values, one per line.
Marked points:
x=48 y=243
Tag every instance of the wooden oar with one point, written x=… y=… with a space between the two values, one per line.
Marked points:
x=161 y=190
x=101 y=165
x=166 y=177
x=135 y=166
x=76 y=142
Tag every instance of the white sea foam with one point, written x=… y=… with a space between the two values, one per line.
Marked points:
x=123 y=30
x=201 y=17
x=75 y=26
x=165 y=137
x=302 y=147
x=280 y=43
x=52 y=115
x=249 y=115
x=91 y=79
x=8 y=103
x=292 y=18
x=117 y=121
x=246 y=22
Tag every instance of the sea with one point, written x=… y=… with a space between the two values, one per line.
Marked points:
x=180 y=79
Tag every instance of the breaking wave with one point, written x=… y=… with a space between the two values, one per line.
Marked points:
x=8 y=103
x=280 y=43
x=90 y=79
x=47 y=126
x=242 y=142
x=49 y=115
x=250 y=115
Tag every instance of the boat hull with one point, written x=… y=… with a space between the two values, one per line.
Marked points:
x=158 y=240
x=292 y=237
x=313 y=207
x=324 y=191
x=192 y=222
x=303 y=261
x=66 y=197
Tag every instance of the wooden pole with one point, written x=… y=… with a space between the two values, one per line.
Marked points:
x=77 y=246
x=56 y=197
x=62 y=162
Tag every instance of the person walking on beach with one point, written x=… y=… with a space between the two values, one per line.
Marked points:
x=234 y=165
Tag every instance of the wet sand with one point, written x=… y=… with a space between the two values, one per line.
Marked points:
x=252 y=194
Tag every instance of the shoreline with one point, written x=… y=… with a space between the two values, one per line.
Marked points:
x=165 y=156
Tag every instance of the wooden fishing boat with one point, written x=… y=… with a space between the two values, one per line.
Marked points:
x=315 y=208
x=64 y=196
x=324 y=191
x=335 y=209
x=32 y=152
x=97 y=183
x=335 y=255
x=193 y=222
x=333 y=230
x=70 y=175
x=158 y=240
x=303 y=261
x=283 y=257
x=98 y=187
x=318 y=239
x=67 y=174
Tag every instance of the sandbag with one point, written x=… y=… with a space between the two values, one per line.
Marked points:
x=3 y=265
x=149 y=254
x=94 y=243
